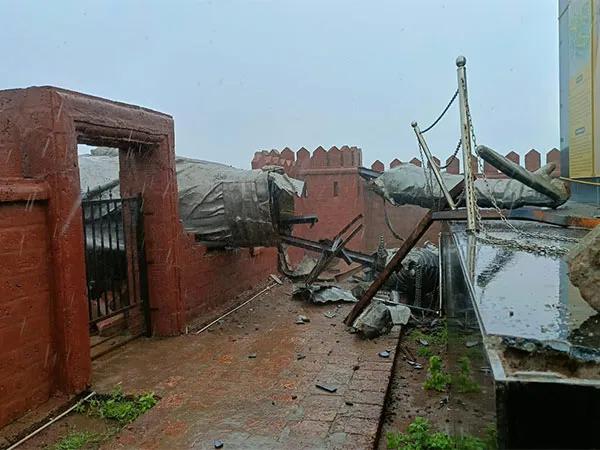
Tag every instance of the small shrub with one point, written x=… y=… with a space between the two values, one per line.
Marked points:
x=464 y=381
x=438 y=380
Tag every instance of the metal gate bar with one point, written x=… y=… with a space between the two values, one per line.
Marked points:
x=115 y=257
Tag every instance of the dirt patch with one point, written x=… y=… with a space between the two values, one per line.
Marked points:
x=69 y=426
x=408 y=399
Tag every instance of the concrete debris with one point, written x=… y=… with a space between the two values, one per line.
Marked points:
x=323 y=293
x=218 y=443
x=379 y=318
x=301 y=320
x=584 y=267
x=326 y=388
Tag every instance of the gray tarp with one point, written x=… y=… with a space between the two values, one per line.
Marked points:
x=220 y=204
x=407 y=184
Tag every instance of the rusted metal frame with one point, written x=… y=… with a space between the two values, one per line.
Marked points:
x=322 y=246
x=310 y=219
x=396 y=260
x=337 y=250
x=529 y=214
x=391 y=267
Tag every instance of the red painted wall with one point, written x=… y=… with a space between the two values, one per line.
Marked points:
x=27 y=352
x=320 y=171
x=211 y=279
x=44 y=329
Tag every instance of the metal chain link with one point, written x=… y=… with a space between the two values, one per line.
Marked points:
x=453 y=157
x=442 y=114
x=426 y=171
x=487 y=237
x=418 y=285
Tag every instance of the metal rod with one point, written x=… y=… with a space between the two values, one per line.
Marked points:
x=433 y=165
x=236 y=308
x=47 y=424
x=465 y=132
x=318 y=247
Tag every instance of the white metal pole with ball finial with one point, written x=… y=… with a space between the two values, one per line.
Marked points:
x=465 y=130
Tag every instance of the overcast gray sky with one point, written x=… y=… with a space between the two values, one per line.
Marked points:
x=239 y=76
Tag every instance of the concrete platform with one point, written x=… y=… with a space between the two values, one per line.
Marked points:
x=250 y=381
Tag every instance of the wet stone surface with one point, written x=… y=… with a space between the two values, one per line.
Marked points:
x=211 y=390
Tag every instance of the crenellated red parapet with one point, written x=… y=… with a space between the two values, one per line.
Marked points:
x=292 y=163
x=532 y=160
x=378 y=166
x=395 y=163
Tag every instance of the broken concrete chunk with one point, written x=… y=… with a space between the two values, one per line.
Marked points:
x=302 y=320
x=379 y=317
x=584 y=267
x=218 y=443
x=374 y=321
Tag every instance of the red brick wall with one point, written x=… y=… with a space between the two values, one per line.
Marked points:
x=211 y=279
x=319 y=172
x=44 y=329
x=334 y=212
x=27 y=353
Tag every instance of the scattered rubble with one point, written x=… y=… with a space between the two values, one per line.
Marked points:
x=323 y=293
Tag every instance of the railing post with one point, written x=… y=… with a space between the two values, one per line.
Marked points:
x=433 y=165
x=465 y=131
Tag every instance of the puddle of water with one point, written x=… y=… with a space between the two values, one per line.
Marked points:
x=527 y=295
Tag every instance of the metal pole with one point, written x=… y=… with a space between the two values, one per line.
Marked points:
x=465 y=131
x=433 y=165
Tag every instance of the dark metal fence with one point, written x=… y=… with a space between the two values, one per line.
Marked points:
x=115 y=259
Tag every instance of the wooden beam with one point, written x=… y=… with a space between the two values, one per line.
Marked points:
x=396 y=260
x=391 y=267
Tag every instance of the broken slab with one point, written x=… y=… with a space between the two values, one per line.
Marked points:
x=379 y=318
x=321 y=294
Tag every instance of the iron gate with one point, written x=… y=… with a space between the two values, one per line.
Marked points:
x=115 y=261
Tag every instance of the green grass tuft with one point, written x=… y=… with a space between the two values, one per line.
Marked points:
x=420 y=437
x=438 y=337
x=121 y=408
x=76 y=440
x=464 y=381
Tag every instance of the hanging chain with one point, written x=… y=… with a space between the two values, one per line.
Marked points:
x=426 y=171
x=442 y=114
x=453 y=157
x=487 y=237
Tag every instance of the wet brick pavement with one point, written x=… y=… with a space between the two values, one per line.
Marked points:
x=212 y=388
